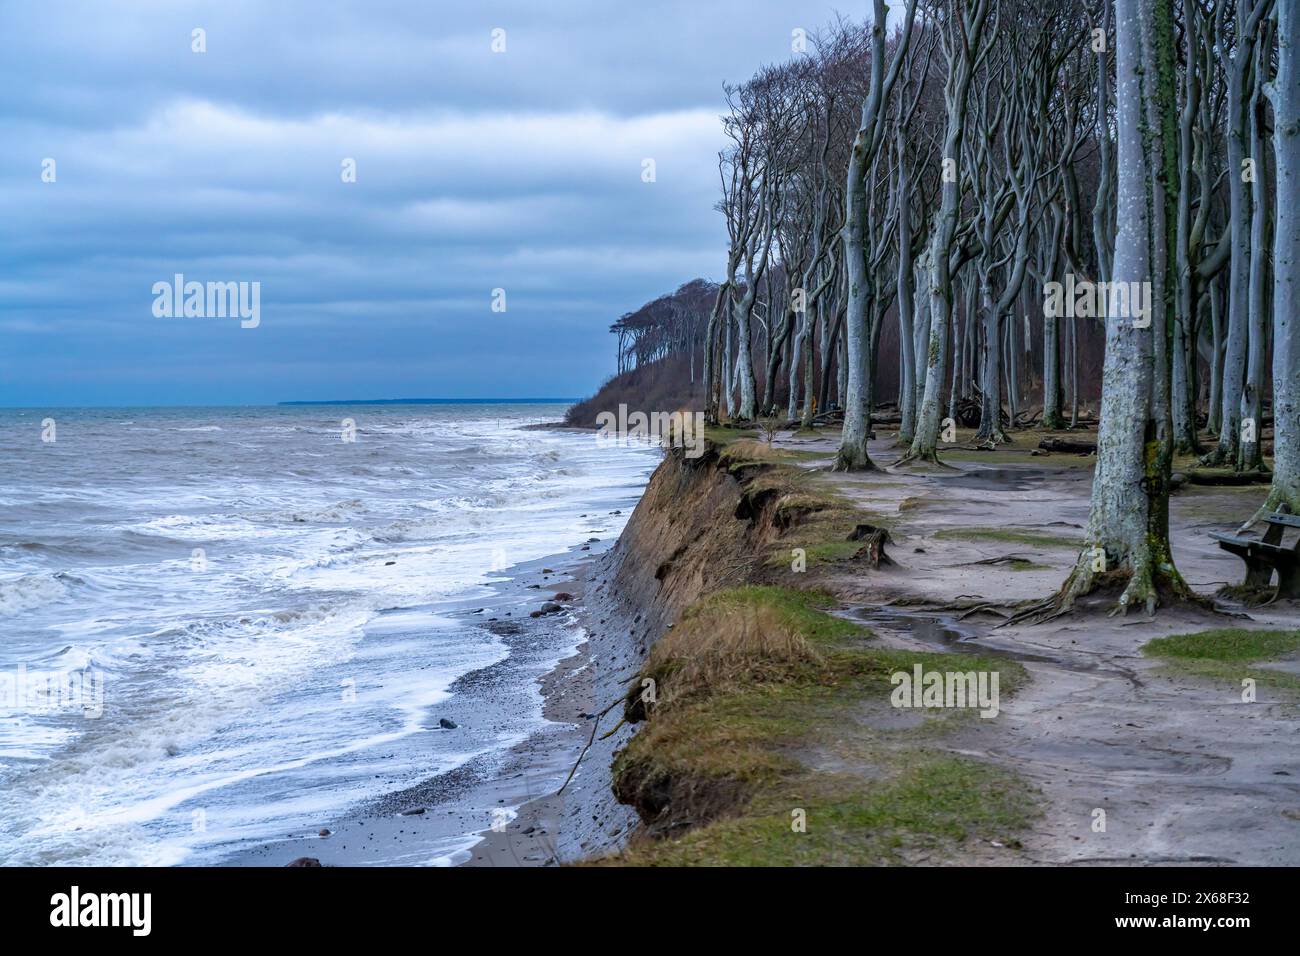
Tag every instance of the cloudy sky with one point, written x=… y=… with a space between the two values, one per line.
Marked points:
x=475 y=170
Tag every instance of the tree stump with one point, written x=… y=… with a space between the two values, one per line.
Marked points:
x=873 y=544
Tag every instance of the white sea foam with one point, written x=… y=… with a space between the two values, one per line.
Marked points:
x=33 y=591
x=271 y=683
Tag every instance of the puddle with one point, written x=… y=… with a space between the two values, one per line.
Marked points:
x=944 y=634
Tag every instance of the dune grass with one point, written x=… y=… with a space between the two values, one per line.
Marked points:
x=764 y=706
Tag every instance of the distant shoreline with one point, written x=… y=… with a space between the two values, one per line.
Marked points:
x=439 y=401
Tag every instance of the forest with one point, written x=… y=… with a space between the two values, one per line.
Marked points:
x=1018 y=215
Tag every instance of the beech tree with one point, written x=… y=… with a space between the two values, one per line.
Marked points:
x=1284 y=93
x=862 y=289
x=925 y=187
x=962 y=40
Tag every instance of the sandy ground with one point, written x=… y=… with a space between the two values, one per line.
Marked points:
x=583 y=820
x=1184 y=771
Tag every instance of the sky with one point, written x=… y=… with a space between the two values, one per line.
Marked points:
x=128 y=157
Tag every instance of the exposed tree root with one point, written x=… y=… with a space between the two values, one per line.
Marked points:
x=920 y=461
x=1249 y=596
x=961 y=607
x=849 y=460
x=1144 y=586
x=1217 y=457
x=1277 y=501
x=992 y=438
x=986 y=608
x=595 y=725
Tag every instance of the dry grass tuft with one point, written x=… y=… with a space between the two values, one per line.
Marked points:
x=724 y=646
x=749 y=449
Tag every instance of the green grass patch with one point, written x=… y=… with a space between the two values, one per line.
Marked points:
x=1224 y=654
x=801 y=610
x=1009 y=536
x=804 y=454
x=725 y=436
x=753 y=681
x=1024 y=564
x=1225 y=644
x=927 y=801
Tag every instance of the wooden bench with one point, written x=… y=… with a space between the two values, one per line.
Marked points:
x=1267 y=554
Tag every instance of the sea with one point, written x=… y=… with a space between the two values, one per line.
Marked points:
x=219 y=625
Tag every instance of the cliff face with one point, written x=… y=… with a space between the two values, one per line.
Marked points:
x=703 y=524
x=699 y=527
x=751 y=705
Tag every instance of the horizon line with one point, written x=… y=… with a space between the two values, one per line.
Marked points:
x=342 y=401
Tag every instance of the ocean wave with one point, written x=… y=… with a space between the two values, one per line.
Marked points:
x=99 y=657
x=35 y=590
x=332 y=513
x=186 y=528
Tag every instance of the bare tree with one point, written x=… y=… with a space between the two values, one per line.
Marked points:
x=1284 y=93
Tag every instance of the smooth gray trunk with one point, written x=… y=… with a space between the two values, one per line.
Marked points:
x=1285 y=95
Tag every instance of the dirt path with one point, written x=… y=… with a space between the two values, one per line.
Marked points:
x=1184 y=770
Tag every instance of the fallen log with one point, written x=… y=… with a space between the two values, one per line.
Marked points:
x=1074 y=445
x=1226 y=476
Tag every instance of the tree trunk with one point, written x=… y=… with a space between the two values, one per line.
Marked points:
x=861 y=295
x=1285 y=94
x=1118 y=521
x=906 y=340
x=1239 y=216
x=1250 y=450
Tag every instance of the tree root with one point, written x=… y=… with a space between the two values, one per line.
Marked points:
x=961 y=607
x=918 y=461
x=1249 y=596
x=1277 y=501
x=1216 y=457
x=1143 y=586
x=848 y=461
x=991 y=440
x=986 y=608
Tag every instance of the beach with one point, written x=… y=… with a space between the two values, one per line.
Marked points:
x=282 y=619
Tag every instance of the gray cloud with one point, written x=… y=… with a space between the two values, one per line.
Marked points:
x=476 y=170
